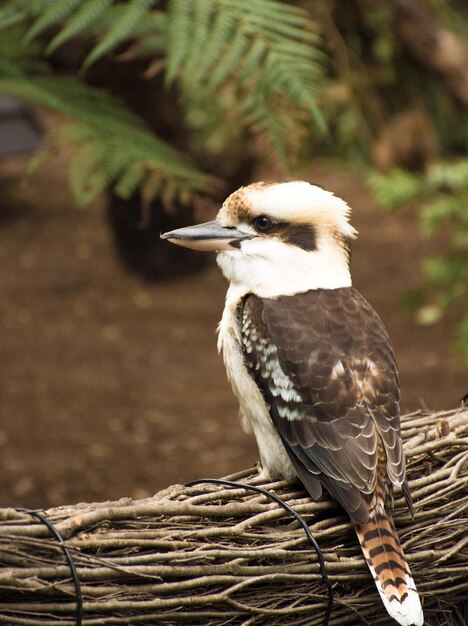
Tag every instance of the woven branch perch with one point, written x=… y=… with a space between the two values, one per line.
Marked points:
x=214 y=555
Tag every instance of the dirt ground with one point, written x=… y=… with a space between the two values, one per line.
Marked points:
x=112 y=387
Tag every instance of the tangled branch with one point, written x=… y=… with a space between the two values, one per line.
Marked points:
x=215 y=555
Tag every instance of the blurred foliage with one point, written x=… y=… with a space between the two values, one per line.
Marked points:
x=260 y=79
x=442 y=195
x=243 y=70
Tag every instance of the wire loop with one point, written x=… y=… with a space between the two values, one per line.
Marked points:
x=297 y=516
x=68 y=556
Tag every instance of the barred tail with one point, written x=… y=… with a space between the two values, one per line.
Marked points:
x=388 y=565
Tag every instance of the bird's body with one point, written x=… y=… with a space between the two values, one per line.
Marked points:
x=311 y=363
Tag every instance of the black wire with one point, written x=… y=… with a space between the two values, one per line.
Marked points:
x=71 y=562
x=299 y=518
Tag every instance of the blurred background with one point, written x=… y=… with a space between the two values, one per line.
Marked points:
x=123 y=119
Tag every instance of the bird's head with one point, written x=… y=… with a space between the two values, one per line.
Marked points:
x=277 y=239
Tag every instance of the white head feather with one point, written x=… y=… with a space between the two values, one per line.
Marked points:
x=270 y=266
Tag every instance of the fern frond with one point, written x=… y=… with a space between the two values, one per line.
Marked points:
x=18 y=59
x=80 y=170
x=276 y=18
x=268 y=48
x=278 y=11
x=132 y=13
x=238 y=45
x=110 y=139
x=202 y=15
x=10 y=68
x=57 y=11
x=150 y=38
x=273 y=124
x=204 y=60
x=253 y=59
x=131 y=180
x=13 y=13
x=178 y=37
x=87 y=14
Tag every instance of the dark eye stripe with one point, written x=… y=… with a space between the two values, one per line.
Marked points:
x=300 y=235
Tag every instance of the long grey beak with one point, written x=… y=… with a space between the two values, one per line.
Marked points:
x=207 y=236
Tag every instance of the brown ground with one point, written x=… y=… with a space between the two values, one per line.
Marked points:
x=112 y=387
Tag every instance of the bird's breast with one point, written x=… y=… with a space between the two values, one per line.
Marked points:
x=274 y=458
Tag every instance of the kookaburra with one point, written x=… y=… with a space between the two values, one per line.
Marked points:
x=311 y=362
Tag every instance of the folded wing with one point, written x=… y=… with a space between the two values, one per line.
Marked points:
x=326 y=367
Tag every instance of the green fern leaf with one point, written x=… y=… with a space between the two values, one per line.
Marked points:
x=10 y=68
x=147 y=47
x=19 y=59
x=86 y=16
x=238 y=46
x=80 y=170
x=151 y=38
x=178 y=37
x=252 y=60
x=210 y=53
x=273 y=8
x=55 y=12
x=116 y=163
x=272 y=16
x=201 y=34
x=267 y=47
x=12 y=13
x=131 y=15
x=274 y=129
x=38 y=159
x=130 y=181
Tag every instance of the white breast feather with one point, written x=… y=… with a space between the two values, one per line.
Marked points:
x=274 y=458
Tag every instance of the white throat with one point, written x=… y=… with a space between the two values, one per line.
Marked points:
x=271 y=268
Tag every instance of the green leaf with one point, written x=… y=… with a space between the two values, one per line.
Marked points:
x=110 y=138
x=237 y=48
x=441 y=270
x=87 y=14
x=445 y=209
x=178 y=37
x=121 y=30
x=12 y=14
x=82 y=167
x=395 y=188
x=130 y=181
x=208 y=42
x=55 y=12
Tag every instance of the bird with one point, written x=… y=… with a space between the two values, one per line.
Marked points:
x=311 y=363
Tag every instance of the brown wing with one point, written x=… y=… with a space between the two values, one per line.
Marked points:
x=326 y=367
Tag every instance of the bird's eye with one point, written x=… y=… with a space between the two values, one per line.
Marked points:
x=262 y=223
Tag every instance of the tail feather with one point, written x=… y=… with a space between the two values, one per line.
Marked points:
x=389 y=567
